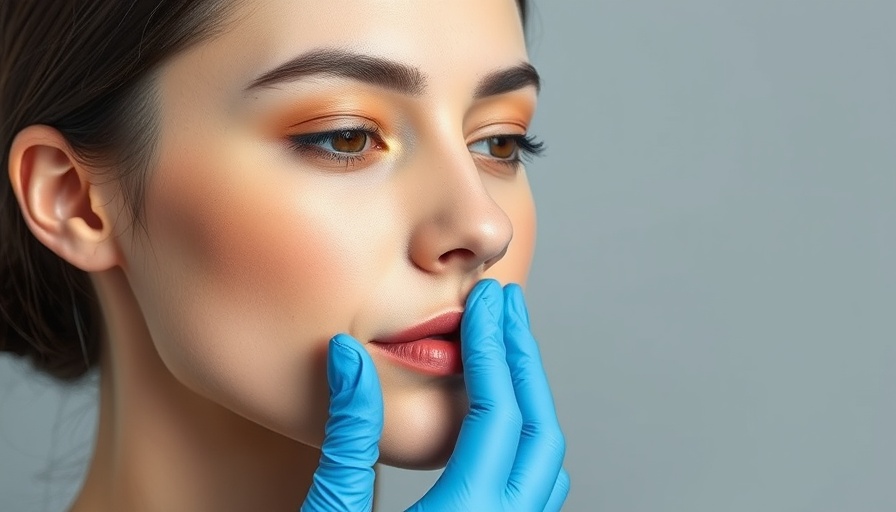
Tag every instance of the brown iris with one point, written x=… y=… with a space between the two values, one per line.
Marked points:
x=349 y=141
x=502 y=147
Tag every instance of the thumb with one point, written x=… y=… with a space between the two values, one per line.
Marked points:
x=344 y=479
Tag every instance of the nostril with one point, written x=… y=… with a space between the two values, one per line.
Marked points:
x=456 y=253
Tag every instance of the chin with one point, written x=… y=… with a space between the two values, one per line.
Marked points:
x=420 y=429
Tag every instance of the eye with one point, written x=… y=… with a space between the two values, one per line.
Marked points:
x=353 y=140
x=501 y=147
x=507 y=149
x=347 y=145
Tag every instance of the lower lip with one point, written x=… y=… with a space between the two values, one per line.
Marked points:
x=429 y=355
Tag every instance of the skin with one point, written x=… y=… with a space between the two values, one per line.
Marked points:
x=217 y=318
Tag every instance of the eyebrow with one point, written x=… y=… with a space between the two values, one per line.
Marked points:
x=508 y=80
x=340 y=63
x=386 y=73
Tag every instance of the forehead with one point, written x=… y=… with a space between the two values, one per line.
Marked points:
x=445 y=39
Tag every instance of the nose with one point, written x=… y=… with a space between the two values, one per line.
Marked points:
x=458 y=226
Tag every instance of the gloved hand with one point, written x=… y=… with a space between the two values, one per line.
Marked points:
x=510 y=449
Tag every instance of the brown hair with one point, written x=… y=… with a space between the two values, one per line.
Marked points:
x=86 y=68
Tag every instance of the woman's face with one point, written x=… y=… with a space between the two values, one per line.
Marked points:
x=267 y=236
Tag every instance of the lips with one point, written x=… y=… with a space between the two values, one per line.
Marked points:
x=445 y=325
x=431 y=347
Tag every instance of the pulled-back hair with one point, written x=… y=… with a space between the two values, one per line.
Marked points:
x=86 y=68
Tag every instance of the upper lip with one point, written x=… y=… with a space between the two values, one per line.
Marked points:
x=446 y=324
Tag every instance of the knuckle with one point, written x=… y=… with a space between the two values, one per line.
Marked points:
x=514 y=419
x=557 y=441
x=494 y=411
x=506 y=414
x=484 y=406
x=524 y=362
x=551 y=437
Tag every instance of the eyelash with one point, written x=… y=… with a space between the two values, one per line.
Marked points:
x=527 y=146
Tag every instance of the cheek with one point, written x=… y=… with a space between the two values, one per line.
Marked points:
x=245 y=282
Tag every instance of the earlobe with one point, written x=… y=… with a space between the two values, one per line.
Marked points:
x=62 y=207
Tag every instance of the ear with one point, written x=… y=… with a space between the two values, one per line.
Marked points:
x=64 y=209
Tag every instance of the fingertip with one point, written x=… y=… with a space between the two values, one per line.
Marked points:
x=482 y=320
x=354 y=384
x=515 y=301
x=513 y=287
x=483 y=287
x=343 y=349
x=349 y=365
x=487 y=293
x=345 y=341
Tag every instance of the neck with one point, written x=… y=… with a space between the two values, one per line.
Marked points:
x=162 y=447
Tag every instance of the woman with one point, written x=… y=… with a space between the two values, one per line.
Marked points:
x=202 y=194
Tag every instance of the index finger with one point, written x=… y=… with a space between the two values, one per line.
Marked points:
x=486 y=445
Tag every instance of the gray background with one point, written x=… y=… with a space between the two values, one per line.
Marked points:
x=714 y=285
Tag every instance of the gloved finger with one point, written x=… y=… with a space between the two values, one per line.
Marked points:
x=344 y=478
x=559 y=493
x=539 y=456
x=486 y=444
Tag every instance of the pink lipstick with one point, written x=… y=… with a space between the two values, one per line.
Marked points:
x=432 y=347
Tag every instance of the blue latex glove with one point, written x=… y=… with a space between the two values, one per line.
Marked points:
x=510 y=449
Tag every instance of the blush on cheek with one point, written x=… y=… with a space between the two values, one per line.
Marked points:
x=242 y=290
x=251 y=241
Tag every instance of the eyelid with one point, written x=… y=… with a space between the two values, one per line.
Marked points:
x=334 y=121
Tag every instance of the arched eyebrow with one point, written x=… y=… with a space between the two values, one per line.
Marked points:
x=385 y=73
x=378 y=71
x=508 y=80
